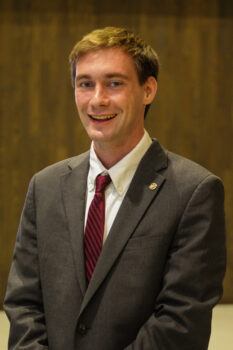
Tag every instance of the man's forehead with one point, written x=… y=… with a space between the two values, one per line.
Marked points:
x=104 y=50
x=109 y=61
x=106 y=54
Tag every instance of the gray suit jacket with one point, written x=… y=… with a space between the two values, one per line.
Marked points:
x=157 y=279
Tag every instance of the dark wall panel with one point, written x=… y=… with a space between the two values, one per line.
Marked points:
x=192 y=114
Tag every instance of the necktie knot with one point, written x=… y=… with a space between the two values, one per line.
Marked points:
x=101 y=183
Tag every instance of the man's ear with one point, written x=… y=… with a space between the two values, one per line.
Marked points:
x=150 y=89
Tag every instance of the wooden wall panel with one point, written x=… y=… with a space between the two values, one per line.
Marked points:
x=192 y=114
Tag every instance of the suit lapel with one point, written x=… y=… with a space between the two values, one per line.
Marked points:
x=143 y=189
x=74 y=194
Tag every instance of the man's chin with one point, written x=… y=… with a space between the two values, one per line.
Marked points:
x=101 y=138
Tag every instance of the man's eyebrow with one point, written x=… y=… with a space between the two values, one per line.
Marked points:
x=116 y=75
x=82 y=76
x=108 y=76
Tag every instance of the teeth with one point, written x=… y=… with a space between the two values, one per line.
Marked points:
x=103 y=117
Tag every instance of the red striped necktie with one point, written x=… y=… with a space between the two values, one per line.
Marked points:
x=94 y=230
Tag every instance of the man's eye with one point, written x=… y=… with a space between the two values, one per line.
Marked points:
x=115 y=83
x=85 y=84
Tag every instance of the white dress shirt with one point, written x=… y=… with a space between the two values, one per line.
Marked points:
x=121 y=175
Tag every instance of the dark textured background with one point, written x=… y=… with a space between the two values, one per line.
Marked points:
x=192 y=114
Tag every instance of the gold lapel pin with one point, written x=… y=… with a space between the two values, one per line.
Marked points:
x=153 y=186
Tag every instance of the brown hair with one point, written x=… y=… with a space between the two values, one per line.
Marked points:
x=144 y=57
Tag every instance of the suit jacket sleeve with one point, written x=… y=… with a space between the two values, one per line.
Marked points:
x=193 y=275
x=23 y=302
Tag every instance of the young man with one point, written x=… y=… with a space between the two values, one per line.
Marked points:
x=135 y=265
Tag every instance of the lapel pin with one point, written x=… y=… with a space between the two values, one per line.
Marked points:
x=153 y=186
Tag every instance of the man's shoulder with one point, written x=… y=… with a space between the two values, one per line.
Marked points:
x=187 y=172
x=174 y=164
x=180 y=163
x=62 y=167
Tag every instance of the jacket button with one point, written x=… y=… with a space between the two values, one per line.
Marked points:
x=82 y=329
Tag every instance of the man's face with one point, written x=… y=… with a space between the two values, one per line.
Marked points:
x=109 y=98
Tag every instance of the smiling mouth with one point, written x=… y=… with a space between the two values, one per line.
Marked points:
x=102 y=117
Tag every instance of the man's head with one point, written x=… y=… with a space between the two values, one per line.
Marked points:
x=144 y=57
x=114 y=76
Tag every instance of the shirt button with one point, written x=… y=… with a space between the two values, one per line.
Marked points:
x=82 y=329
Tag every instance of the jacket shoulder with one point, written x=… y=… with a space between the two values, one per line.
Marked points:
x=186 y=166
x=186 y=175
x=57 y=169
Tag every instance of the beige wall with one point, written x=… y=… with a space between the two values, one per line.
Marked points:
x=39 y=124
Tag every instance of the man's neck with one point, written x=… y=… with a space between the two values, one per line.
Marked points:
x=110 y=154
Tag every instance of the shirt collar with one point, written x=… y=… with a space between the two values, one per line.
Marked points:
x=123 y=171
x=96 y=168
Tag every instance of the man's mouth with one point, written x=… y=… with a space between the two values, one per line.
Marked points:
x=102 y=117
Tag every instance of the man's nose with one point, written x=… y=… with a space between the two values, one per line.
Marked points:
x=100 y=96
